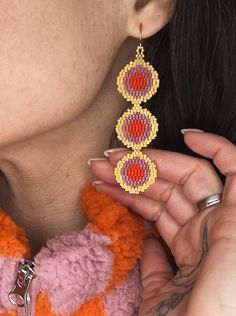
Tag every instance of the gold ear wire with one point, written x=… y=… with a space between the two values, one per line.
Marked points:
x=140 y=31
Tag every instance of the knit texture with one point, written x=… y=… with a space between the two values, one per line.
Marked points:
x=125 y=229
x=125 y=299
x=90 y=272
x=80 y=263
x=8 y=271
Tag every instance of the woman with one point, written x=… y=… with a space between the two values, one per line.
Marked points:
x=59 y=62
x=196 y=59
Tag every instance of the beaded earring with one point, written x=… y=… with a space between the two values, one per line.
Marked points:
x=137 y=127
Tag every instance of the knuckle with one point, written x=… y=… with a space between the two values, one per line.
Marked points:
x=203 y=172
x=132 y=202
x=156 y=216
x=204 y=165
x=223 y=229
x=200 y=169
x=167 y=193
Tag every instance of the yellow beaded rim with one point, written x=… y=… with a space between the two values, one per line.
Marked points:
x=125 y=175
x=137 y=82
x=148 y=70
x=138 y=139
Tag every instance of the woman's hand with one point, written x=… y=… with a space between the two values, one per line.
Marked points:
x=203 y=243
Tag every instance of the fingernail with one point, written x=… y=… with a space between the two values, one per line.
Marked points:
x=97 y=182
x=113 y=150
x=185 y=130
x=95 y=159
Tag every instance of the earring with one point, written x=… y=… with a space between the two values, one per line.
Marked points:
x=137 y=127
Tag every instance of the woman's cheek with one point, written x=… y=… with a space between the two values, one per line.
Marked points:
x=53 y=61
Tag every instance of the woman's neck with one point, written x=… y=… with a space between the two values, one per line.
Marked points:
x=41 y=177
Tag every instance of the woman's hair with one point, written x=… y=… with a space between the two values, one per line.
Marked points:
x=195 y=56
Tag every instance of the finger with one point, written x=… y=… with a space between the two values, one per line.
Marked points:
x=187 y=171
x=180 y=208
x=155 y=268
x=223 y=154
x=147 y=208
x=174 y=199
x=167 y=227
x=103 y=170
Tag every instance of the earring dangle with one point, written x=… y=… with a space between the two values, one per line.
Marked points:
x=137 y=82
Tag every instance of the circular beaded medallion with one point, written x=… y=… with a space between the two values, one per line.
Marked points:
x=135 y=172
x=138 y=81
x=136 y=128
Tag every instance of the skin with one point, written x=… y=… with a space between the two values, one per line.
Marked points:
x=58 y=105
x=202 y=243
x=49 y=95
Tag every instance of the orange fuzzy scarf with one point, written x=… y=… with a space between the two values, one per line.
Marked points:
x=104 y=215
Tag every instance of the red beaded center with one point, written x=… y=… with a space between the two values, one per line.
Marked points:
x=138 y=81
x=136 y=128
x=135 y=172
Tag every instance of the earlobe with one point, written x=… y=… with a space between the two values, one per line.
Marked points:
x=153 y=14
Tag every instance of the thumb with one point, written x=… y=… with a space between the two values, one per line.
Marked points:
x=156 y=270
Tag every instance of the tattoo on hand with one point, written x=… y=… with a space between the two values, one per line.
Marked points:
x=183 y=283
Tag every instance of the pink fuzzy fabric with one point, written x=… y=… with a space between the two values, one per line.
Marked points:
x=73 y=268
x=125 y=299
x=8 y=273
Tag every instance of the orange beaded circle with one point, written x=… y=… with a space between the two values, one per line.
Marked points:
x=138 y=81
x=135 y=172
x=137 y=127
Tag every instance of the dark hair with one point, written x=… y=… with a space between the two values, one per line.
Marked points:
x=195 y=56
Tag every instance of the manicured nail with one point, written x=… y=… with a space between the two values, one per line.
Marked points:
x=113 y=150
x=95 y=159
x=97 y=182
x=185 y=130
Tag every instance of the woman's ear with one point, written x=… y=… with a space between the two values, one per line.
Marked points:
x=153 y=14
